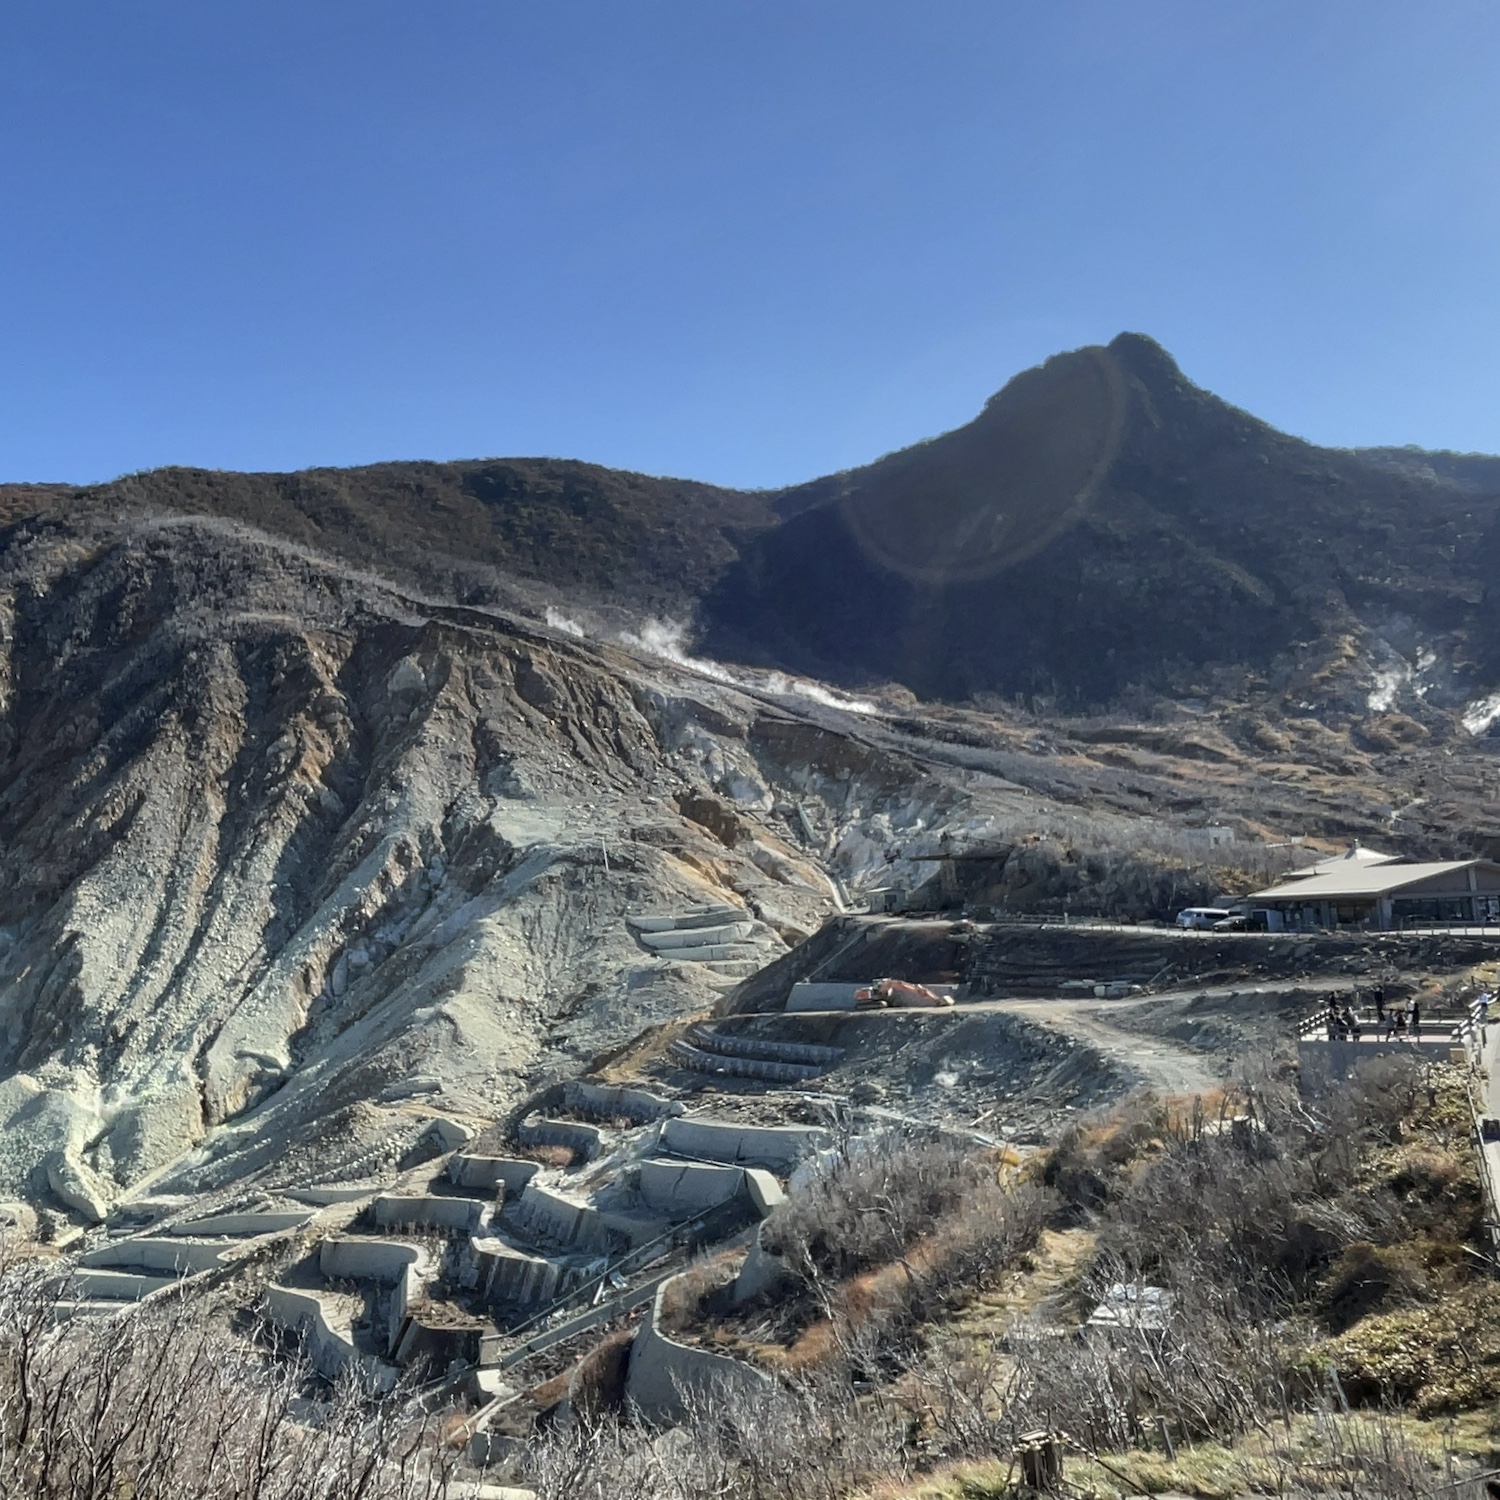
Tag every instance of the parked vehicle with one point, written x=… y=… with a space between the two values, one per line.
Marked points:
x=1236 y=922
x=1202 y=918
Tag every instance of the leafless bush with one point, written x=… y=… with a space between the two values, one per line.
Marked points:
x=162 y=1403
x=874 y=1205
x=1217 y=1368
x=815 y=1439
x=888 y=1239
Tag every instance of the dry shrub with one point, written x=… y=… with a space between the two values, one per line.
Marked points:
x=1436 y=1359
x=1370 y=1278
x=161 y=1402
x=1217 y=1369
x=549 y=1156
x=597 y=1385
x=887 y=1240
x=871 y=1208
x=683 y=1296
x=814 y=1439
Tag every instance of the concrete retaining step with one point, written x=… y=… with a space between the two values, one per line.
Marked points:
x=689 y=917
x=242 y=1226
x=324 y=1322
x=503 y=1273
x=447 y=1215
x=607 y=1101
x=551 y=1218
x=778 y=1147
x=585 y=1141
x=714 y=1064
x=665 y=942
x=807 y=995
x=731 y=1044
x=117 y=1286
x=324 y=1194
x=714 y=953
x=681 y=1190
x=168 y=1256
x=507 y=1174
x=436 y=1334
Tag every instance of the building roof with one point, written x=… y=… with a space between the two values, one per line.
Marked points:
x=1362 y=880
x=1354 y=857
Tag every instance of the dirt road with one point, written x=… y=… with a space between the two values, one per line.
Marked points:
x=1160 y=1064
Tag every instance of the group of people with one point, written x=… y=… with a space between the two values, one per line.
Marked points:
x=1397 y=1022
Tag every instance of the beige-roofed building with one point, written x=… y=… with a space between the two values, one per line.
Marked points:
x=1366 y=889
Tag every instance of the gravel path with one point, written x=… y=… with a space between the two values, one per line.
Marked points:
x=1161 y=1065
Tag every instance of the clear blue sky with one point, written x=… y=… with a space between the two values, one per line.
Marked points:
x=744 y=240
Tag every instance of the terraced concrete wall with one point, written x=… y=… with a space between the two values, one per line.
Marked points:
x=550 y=1216
x=779 y=1147
x=662 y=1371
x=675 y=939
x=505 y=1274
x=456 y=1215
x=683 y=1190
x=116 y=1286
x=609 y=1101
x=171 y=1256
x=235 y=1226
x=358 y=1259
x=327 y=1338
x=699 y=916
x=585 y=1140
x=810 y=995
x=510 y=1172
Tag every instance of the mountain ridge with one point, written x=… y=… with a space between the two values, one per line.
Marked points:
x=1102 y=527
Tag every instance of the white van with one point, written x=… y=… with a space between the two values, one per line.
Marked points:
x=1202 y=918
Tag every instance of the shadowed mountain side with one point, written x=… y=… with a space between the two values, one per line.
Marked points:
x=471 y=529
x=1209 y=539
x=1102 y=525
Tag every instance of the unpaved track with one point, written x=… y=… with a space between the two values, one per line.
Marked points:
x=1161 y=1065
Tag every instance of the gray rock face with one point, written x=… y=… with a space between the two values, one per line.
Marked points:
x=295 y=866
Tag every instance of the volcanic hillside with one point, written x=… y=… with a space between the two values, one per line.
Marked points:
x=1103 y=529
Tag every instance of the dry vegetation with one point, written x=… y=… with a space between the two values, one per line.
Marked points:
x=167 y=1404
x=1333 y=1329
x=1326 y=1292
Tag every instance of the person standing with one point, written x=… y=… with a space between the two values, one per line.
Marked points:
x=1380 y=1003
x=1416 y=1020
